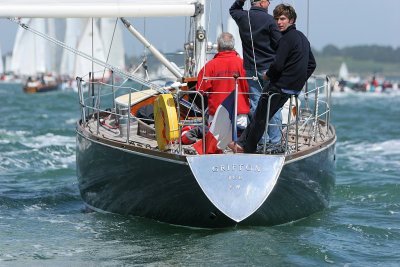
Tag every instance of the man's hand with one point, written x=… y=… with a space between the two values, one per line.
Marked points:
x=265 y=77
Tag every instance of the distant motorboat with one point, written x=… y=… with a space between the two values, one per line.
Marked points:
x=44 y=84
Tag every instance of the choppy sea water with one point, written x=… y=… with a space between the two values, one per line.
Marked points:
x=43 y=221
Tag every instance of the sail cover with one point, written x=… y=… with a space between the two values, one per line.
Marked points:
x=96 y=8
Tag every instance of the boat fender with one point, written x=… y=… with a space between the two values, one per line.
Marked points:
x=165 y=120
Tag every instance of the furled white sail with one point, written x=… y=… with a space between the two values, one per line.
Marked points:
x=90 y=43
x=95 y=8
x=29 y=52
x=113 y=41
x=73 y=32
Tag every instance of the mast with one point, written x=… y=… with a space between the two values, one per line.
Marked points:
x=200 y=35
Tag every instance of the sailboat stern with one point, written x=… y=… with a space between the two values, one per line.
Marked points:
x=237 y=184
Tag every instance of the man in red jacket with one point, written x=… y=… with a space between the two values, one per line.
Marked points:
x=225 y=63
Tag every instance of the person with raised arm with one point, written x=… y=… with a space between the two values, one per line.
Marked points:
x=260 y=36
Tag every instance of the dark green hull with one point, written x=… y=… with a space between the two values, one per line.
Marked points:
x=130 y=181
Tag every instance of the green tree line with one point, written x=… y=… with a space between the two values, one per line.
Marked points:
x=376 y=53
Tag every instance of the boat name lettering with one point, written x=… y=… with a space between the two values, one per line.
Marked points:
x=236 y=167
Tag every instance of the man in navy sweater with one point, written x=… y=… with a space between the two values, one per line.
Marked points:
x=260 y=36
x=293 y=65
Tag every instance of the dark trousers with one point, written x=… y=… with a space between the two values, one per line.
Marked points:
x=254 y=131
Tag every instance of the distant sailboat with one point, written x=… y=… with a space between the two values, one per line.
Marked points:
x=30 y=58
x=78 y=37
x=91 y=44
x=112 y=42
x=343 y=72
x=8 y=76
x=55 y=29
x=73 y=32
x=29 y=51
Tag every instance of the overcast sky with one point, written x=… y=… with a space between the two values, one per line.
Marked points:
x=338 y=22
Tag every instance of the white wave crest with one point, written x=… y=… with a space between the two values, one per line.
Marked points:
x=49 y=139
x=71 y=121
x=388 y=147
x=47 y=151
x=384 y=156
x=9 y=137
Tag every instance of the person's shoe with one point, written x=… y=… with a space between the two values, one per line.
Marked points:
x=237 y=149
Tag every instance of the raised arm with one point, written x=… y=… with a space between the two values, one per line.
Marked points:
x=237 y=9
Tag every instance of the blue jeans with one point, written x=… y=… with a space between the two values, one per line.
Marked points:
x=255 y=88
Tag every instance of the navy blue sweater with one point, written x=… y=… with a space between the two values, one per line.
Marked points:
x=265 y=35
x=294 y=62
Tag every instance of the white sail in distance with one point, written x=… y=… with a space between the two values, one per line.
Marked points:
x=90 y=43
x=55 y=29
x=30 y=51
x=73 y=32
x=112 y=41
x=343 y=72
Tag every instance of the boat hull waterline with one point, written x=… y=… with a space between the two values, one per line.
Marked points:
x=128 y=180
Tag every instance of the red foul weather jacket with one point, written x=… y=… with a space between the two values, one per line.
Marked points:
x=224 y=64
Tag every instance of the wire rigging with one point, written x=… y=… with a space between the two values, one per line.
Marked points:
x=252 y=45
x=115 y=69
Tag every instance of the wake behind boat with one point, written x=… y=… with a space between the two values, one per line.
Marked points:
x=130 y=166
